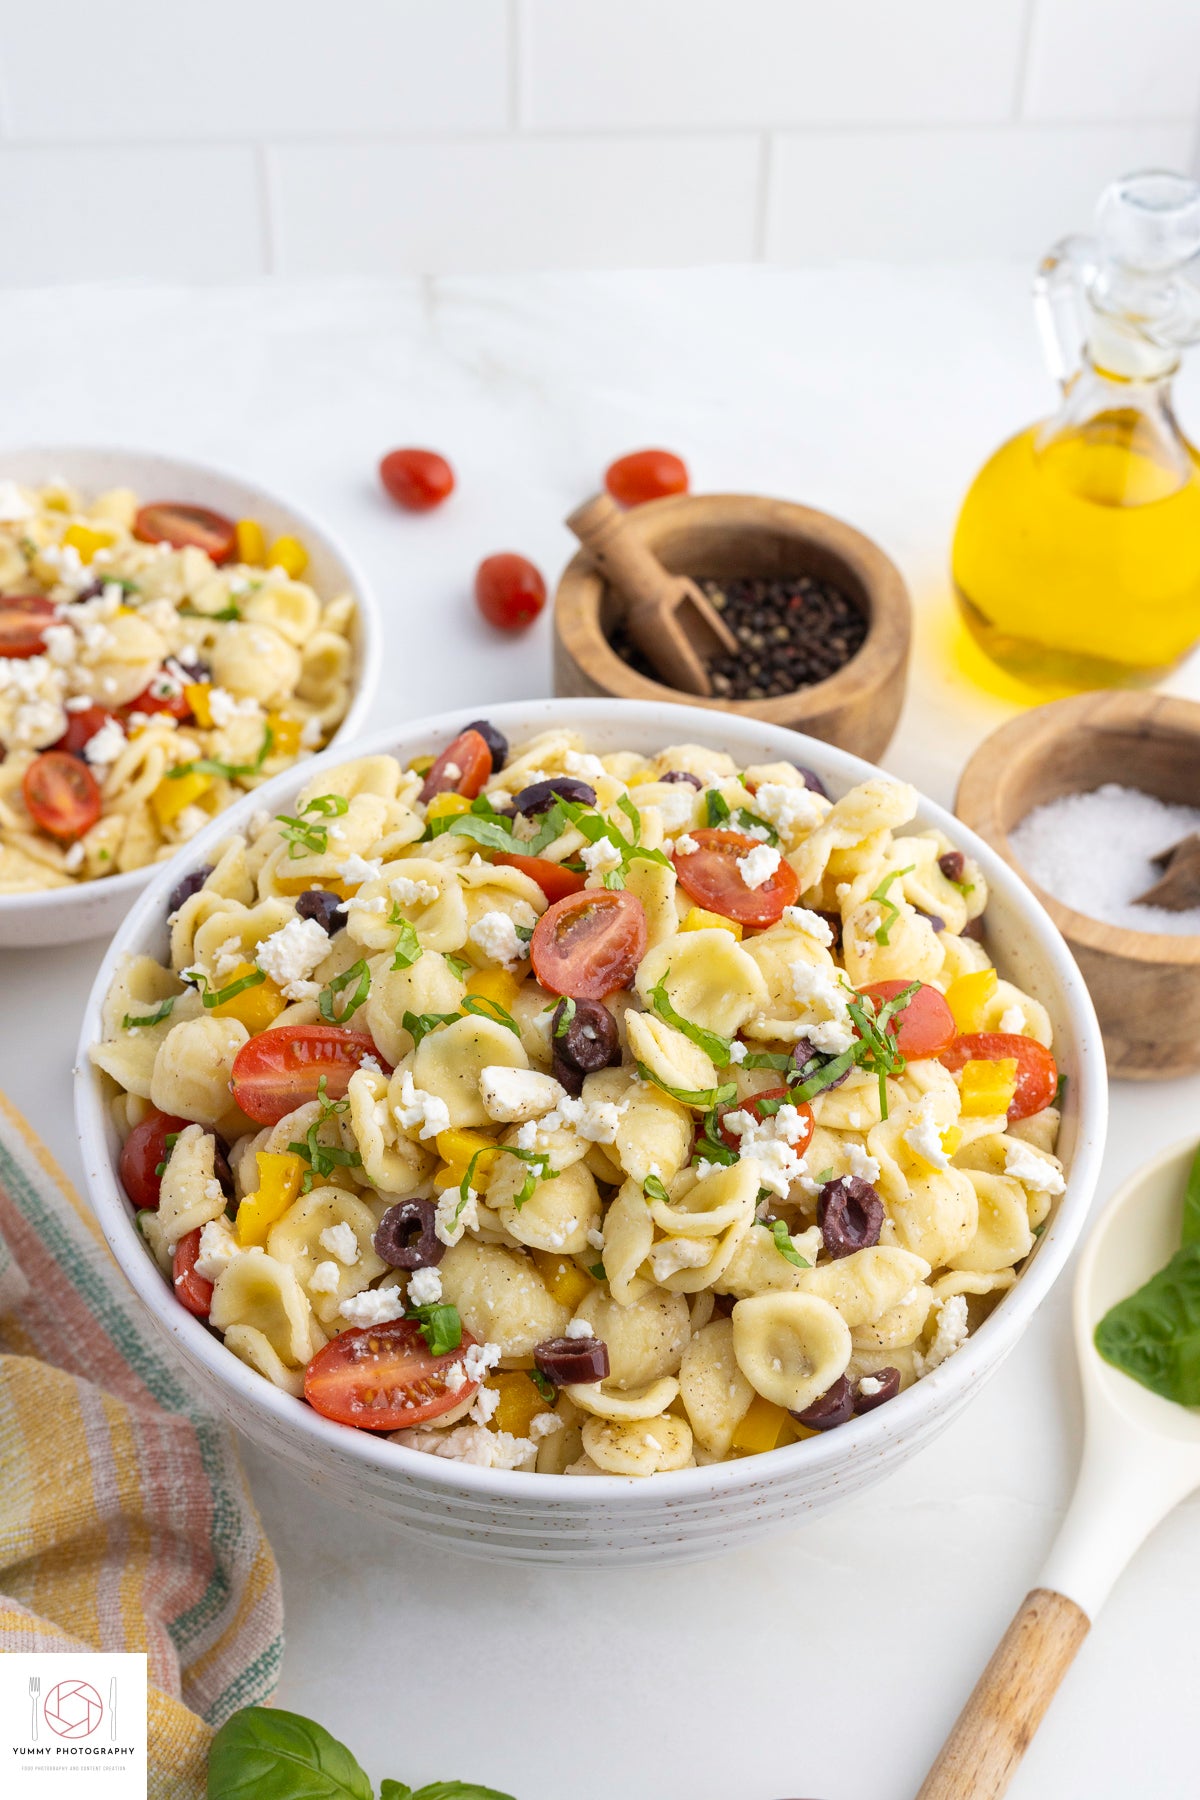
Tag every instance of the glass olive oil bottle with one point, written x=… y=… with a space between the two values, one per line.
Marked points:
x=1077 y=552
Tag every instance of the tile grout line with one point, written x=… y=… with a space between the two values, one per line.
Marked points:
x=766 y=180
x=516 y=67
x=1024 y=53
x=269 y=213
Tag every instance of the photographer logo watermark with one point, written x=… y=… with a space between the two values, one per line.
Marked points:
x=73 y=1725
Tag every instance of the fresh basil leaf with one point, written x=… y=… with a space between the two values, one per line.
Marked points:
x=785 y=1246
x=409 y=948
x=1154 y=1334
x=488 y=832
x=711 y=1042
x=654 y=1188
x=703 y=1098
x=394 y=1790
x=568 y=1013
x=455 y=1790
x=169 y=1143
x=458 y=965
x=328 y=806
x=356 y=979
x=633 y=815
x=545 y=1388
x=754 y=826
x=1060 y=1091
x=881 y=896
x=207 y=765
x=226 y=615
x=483 y=1007
x=263 y=1753
x=211 y=997
x=419 y=1025
x=539 y=1170
x=131 y=1021
x=598 y=1272
x=440 y=1326
x=1191 y=1204
x=716 y=807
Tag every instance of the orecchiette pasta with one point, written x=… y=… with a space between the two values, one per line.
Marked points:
x=472 y=1124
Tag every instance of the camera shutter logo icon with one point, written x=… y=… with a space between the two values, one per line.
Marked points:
x=73 y=1709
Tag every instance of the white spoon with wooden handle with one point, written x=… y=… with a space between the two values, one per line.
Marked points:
x=1141 y=1457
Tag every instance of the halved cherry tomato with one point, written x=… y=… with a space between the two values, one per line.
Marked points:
x=23 y=617
x=143 y=1153
x=417 y=479
x=175 y=522
x=383 y=1377
x=1037 y=1071
x=924 y=1027
x=82 y=728
x=279 y=1070
x=646 y=475
x=757 y=1111
x=509 y=590
x=555 y=881
x=462 y=768
x=191 y=1290
x=162 y=694
x=589 y=944
x=62 y=794
x=710 y=876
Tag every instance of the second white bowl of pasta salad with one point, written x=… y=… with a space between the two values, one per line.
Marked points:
x=587 y=1131
x=170 y=636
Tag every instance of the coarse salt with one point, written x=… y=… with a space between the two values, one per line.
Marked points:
x=1094 y=853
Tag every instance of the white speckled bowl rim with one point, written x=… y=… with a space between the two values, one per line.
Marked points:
x=868 y=1438
x=94 y=468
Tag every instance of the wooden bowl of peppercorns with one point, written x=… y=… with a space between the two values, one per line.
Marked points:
x=821 y=614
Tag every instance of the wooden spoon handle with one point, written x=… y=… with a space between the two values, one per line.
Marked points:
x=621 y=556
x=996 y=1726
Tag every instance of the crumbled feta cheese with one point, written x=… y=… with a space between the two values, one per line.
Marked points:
x=686 y=845
x=104 y=746
x=406 y=891
x=13 y=504
x=324 y=1278
x=61 y=644
x=825 y=1020
x=486 y=1402
x=359 y=903
x=527 y=1135
x=74 y=858
x=595 y=1120
x=791 y=810
x=1012 y=1021
x=224 y=708
x=758 y=865
x=865 y=1167
x=674 y=1253
x=218 y=1247
x=480 y=1359
x=950 y=1335
x=595 y=1237
x=544 y=1425
x=424 y=1287
x=801 y=918
x=341 y=1241
x=370 y=1064
x=312 y=733
x=583 y=765
x=600 y=857
x=474 y=1444
x=513 y=1095
x=418 y=1111
x=449 y=1222
x=357 y=869
x=924 y=1135
x=191 y=820
x=496 y=935
x=289 y=956
x=869 y=1386
x=738 y=1051
x=770 y=1144
x=1039 y=1173
x=579 y=1328
x=374 y=1306
x=455 y=1377
x=226 y=958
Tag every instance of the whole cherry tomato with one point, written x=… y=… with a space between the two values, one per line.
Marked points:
x=62 y=794
x=143 y=1154
x=589 y=944
x=175 y=522
x=646 y=475
x=191 y=1290
x=710 y=876
x=1037 y=1071
x=382 y=1377
x=922 y=1028
x=23 y=617
x=509 y=591
x=418 y=480
x=462 y=768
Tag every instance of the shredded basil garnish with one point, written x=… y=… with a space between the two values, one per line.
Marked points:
x=131 y=1021
x=419 y=1025
x=485 y=1008
x=409 y=948
x=305 y=835
x=702 y=1098
x=785 y=1246
x=218 y=996
x=356 y=979
x=539 y=1170
x=545 y=1388
x=711 y=1042
x=169 y=1143
x=440 y=1326
x=654 y=1188
x=207 y=765
x=889 y=906
x=568 y=1013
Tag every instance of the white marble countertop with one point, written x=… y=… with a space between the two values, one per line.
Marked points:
x=832 y=1660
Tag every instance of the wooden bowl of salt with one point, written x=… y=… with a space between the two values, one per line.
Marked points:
x=725 y=538
x=1115 y=851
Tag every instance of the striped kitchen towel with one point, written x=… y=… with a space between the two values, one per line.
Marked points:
x=125 y=1519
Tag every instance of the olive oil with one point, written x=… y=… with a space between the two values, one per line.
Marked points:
x=1076 y=557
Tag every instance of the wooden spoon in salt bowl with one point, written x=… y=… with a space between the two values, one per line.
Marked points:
x=672 y=623
x=1141 y=1457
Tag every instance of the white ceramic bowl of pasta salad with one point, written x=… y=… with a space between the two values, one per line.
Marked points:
x=106 y=770
x=749 y=1274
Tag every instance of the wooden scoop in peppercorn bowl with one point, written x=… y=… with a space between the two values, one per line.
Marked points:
x=1141 y=1457
x=673 y=624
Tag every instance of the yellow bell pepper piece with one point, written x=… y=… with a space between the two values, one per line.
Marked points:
x=171 y=797
x=285 y=733
x=456 y=1147
x=197 y=693
x=950 y=1139
x=565 y=1281
x=257 y=1006
x=699 y=920
x=420 y=765
x=761 y=1426
x=251 y=542
x=520 y=1402
x=988 y=1087
x=494 y=984
x=279 y=1177
x=445 y=806
x=968 y=997
x=87 y=539
x=288 y=554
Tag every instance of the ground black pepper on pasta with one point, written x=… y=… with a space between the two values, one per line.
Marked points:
x=792 y=633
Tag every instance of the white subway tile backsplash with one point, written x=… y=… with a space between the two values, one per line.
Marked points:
x=1111 y=59
x=511 y=203
x=696 y=64
x=916 y=195
x=174 y=213
x=251 y=69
